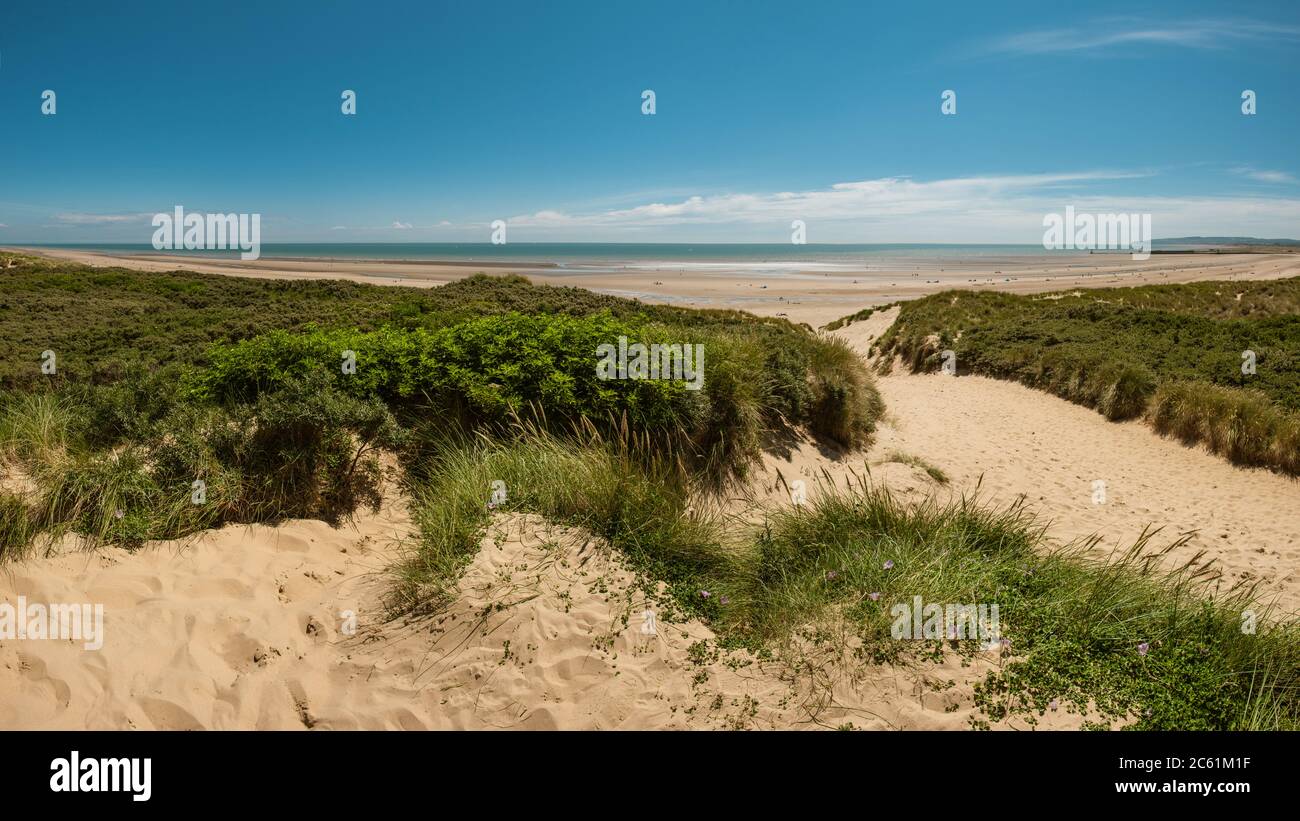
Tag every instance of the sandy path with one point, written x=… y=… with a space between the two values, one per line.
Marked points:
x=1026 y=441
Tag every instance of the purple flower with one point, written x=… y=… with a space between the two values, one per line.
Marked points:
x=724 y=600
x=874 y=596
x=832 y=575
x=1143 y=648
x=704 y=594
x=889 y=564
x=1054 y=703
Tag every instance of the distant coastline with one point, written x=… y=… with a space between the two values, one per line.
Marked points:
x=809 y=283
x=612 y=256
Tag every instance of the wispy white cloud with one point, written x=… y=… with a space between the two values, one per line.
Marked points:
x=1279 y=177
x=1129 y=31
x=864 y=199
x=401 y=226
x=79 y=218
x=901 y=209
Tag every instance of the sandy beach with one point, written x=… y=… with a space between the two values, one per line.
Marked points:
x=807 y=296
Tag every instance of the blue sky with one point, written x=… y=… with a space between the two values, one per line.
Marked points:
x=766 y=112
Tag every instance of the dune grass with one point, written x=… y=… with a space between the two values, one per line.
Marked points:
x=131 y=345
x=1242 y=426
x=1136 y=645
x=917 y=462
x=17 y=525
x=629 y=495
x=1172 y=355
x=865 y=313
x=34 y=426
x=306 y=450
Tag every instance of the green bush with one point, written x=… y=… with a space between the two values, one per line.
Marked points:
x=491 y=369
x=121 y=410
x=305 y=449
x=482 y=370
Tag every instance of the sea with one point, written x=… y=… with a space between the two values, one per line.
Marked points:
x=587 y=258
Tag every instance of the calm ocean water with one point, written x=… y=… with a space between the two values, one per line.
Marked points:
x=589 y=257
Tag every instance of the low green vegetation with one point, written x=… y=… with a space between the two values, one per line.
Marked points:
x=865 y=313
x=126 y=393
x=485 y=370
x=1176 y=355
x=1126 y=644
x=307 y=450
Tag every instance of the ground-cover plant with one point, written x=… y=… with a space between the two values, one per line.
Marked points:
x=1130 y=643
x=1176 y=355
x=101 y=322
x=306 y=449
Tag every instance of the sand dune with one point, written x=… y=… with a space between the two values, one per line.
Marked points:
x=246 y=627
x=236 y=628
x=241 y=629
